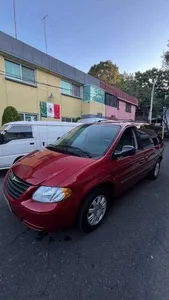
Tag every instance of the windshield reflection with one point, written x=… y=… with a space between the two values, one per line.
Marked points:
x=94 y=139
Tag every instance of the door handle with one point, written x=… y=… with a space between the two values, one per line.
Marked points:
x=141 y=160
x=32 y=143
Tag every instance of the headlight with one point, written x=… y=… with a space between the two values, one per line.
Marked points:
x=47 y=194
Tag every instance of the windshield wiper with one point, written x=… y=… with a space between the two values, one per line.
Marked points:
x=67 y=147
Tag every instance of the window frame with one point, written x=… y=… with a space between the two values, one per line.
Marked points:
x=72 y=85
x=143 y=135
x=150 y=145
x=128 y=105
x=26 y=113
x=8 y=140
x=112 y=100
x=72 y=119
x=8 y=77
x=135 y=138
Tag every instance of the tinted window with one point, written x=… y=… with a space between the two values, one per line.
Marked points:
x=28 y=74
x=128 y=107
x=95 y=139
x=146 y=141
x=18 y=132
x=76 y=90
x=111 y=100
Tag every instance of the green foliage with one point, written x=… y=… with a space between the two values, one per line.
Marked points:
x=10 y=114
x=166 y=58
x=77 y=119
x=105 y=71
x=140 y=86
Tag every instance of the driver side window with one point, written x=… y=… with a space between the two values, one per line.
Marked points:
x=127 y=139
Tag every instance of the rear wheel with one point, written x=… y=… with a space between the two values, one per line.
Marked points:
x=156 y=170
x=94 y=210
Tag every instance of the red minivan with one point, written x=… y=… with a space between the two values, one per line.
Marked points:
x=74 y=180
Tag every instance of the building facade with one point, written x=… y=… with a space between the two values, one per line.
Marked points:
x=41 y=87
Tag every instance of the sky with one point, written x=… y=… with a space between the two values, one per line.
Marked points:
x=131 y=33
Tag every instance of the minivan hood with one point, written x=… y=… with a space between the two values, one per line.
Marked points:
x=49 y=167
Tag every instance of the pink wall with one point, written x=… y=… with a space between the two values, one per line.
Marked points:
x=121 y=112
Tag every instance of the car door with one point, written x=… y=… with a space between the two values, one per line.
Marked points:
x=129 y=169
x=150 y=153
x=18 y=142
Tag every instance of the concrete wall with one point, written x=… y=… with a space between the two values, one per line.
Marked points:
x=93 y=108
x=121 y=112
x=27 y=99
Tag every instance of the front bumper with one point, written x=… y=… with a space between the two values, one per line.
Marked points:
x=43 y=217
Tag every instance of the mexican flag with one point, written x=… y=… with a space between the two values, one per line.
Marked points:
x=49 y=110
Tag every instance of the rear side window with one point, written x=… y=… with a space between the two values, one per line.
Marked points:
x=18 y=132
x=147 y=140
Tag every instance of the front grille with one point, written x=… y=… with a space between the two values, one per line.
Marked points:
x=15 y=187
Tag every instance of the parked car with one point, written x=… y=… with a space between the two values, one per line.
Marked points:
x=75 y=179
x=20 y=138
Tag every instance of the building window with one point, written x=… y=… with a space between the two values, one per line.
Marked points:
x=28 y=117
x=66 y=119
x=99 y=115
x=19 y=72
x=111 y=100
x=70 y=89
x=128 y=107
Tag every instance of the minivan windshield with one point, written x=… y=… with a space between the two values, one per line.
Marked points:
x=91 y=140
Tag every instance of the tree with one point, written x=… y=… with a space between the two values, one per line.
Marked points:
x=10 y=114
x=166 y=58
x=105 y=71
x=140 y=86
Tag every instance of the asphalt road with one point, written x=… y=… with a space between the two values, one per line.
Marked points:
x=127 y=258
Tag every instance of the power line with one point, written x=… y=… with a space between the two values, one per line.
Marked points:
x=18 y=79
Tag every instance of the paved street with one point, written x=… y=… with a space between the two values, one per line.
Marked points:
x=127 y=258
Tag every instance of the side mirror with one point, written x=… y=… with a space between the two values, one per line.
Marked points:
x=1 y=138
x=126 y=151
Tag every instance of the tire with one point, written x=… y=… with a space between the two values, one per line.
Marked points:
x=153 y=175
x=98 y=202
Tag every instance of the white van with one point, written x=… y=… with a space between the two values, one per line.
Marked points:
x=20 y=138
x=91 y=120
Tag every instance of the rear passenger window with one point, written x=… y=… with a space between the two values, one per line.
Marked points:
x=18 y=132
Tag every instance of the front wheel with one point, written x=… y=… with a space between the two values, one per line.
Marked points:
x=93 y=210
x=156 y=170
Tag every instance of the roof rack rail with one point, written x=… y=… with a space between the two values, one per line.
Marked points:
x=118 y=120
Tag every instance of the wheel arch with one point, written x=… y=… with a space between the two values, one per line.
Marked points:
x=16 y=159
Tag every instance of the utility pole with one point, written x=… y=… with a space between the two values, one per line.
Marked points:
x=14 y=13
x=152 y=98
x=44 y=24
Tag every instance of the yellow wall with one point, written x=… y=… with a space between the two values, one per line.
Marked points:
x=26 y=98
x=93 y=108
